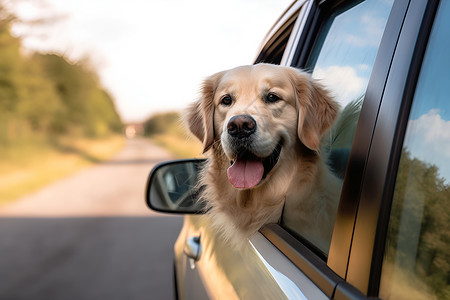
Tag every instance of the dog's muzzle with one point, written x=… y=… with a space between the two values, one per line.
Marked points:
x=248 y=169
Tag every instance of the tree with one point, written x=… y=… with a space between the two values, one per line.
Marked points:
x=49 y=94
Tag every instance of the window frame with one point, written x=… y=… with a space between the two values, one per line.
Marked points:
x=338 y=255
x=367 y=251
x=280 y=32
x=354 y=262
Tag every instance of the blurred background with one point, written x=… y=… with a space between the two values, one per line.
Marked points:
x=88 y=69
x=90 y=99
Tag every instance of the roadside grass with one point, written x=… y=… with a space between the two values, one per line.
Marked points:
x=179 y=142
x=399 y=283
x=179 y=146
x=29 y=164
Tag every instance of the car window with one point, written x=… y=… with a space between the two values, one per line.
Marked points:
x=274 y=49
x=416 y=262
x=341 y=59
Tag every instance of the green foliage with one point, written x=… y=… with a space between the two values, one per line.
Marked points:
x=162 y=123
x=166 y=129
x=419 y=229
x=54 y=116
x=88 y=108
x=48 y=95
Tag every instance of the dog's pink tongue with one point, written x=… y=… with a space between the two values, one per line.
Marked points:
x=245 y=174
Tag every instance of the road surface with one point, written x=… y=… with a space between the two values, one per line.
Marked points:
x=90 y=236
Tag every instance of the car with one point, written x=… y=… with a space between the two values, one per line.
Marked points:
x=391 y=237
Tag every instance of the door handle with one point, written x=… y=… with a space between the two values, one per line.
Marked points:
x=193 y=250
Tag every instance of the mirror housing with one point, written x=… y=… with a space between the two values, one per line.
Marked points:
x=172 y=187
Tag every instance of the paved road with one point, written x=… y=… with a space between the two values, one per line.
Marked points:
x=90 y=236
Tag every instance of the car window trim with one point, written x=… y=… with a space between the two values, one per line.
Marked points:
x=288 y=18
x=341 y=241
x=295 y=39
x=309 y=30
x=377 y=189
x=301 y=256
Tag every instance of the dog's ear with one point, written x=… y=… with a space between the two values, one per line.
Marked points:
x=317 y=110
x=200 y=115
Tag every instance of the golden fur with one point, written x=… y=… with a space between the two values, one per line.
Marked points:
x=299 y=181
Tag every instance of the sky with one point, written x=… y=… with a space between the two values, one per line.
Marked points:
x=151 y=55
x=348 y=53
x=428 y=133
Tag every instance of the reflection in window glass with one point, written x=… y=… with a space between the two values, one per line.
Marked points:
x=417 y=255
x=342 y=60
x=348 y=53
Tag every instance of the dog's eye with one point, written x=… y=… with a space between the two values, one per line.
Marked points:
x=271 y=98
x=226 y=100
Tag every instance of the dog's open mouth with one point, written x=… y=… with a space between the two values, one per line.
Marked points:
x=248 y=170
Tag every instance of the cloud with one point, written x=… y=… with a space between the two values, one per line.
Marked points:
x=432 y=130
x=343 y=82
x=364 y=67
x=369 y=33
x=428 y=139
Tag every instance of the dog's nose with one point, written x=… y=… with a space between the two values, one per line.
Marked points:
x=241 y=126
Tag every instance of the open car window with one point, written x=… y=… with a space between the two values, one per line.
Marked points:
x=341 y=58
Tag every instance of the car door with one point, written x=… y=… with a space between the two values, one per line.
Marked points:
x=365 y=52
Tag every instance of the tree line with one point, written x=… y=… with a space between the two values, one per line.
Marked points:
x=419 y=229
x=162 y=123
x=47 y=94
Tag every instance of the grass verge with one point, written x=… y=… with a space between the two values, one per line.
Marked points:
x=167 y=130
x=26 y=166
x=179 y=145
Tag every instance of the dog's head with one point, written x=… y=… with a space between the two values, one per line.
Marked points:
x=254 y=112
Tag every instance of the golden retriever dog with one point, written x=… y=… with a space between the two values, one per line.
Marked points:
x=261 y=127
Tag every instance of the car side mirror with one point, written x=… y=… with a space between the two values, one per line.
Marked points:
x=172 y=187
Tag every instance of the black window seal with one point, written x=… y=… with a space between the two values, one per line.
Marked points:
x=373 y=212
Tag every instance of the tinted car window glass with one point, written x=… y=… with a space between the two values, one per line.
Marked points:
x=342 y=59
x=416 y=263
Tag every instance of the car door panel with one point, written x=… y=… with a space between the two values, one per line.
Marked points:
x=188 y=280
x=258 y=271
